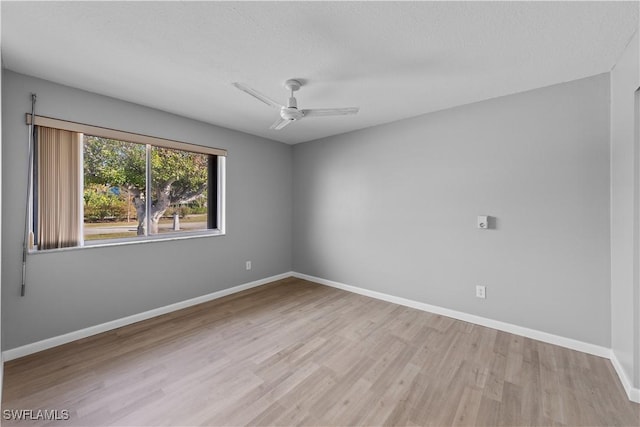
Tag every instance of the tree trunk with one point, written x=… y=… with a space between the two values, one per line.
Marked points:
x=154 y=225
x=140 y=206
x=159 y=208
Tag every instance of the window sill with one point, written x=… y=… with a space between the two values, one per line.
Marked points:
x=133 y=241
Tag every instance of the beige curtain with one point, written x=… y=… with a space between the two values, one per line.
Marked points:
x=59 y=182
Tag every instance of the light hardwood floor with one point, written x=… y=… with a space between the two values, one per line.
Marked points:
x=296 y=353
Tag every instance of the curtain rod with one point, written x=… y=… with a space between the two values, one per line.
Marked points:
x=27 y=210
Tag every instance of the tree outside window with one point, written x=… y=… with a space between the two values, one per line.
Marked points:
x=115 y=186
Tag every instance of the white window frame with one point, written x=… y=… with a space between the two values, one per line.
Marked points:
x=147 y=141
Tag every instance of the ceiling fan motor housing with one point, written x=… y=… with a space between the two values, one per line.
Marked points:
x=291 y=113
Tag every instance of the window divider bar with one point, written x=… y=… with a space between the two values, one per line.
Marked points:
x=147 y=196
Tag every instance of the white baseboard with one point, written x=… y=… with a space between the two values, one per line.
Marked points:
x=471 y=318
x=632 y=393
x=45 y=344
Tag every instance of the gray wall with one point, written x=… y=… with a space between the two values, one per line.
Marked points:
x=625 y=186
x=71 y=290
x=393 y=209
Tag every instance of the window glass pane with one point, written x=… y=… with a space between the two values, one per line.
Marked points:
x=178 y=191
x=114 y=188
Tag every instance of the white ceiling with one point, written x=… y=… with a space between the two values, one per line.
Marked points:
x=392 y=59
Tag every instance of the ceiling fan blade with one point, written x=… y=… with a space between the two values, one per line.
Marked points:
x=318 y=112
x=257 y=95
x=280 y=123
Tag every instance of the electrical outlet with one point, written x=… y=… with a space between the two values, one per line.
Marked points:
x=248 y=265
x=481 y=291
x=483 y=222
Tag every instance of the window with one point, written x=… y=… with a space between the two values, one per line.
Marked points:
x=98 y=186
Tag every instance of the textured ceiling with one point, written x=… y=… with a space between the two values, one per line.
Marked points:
x=392 y=59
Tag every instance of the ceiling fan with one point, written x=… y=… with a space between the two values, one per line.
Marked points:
x=291 y=113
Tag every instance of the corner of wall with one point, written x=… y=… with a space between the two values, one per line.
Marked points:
x=633 y=393
x=625 y=216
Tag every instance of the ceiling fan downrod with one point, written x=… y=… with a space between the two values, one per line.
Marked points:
x=292 y=85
